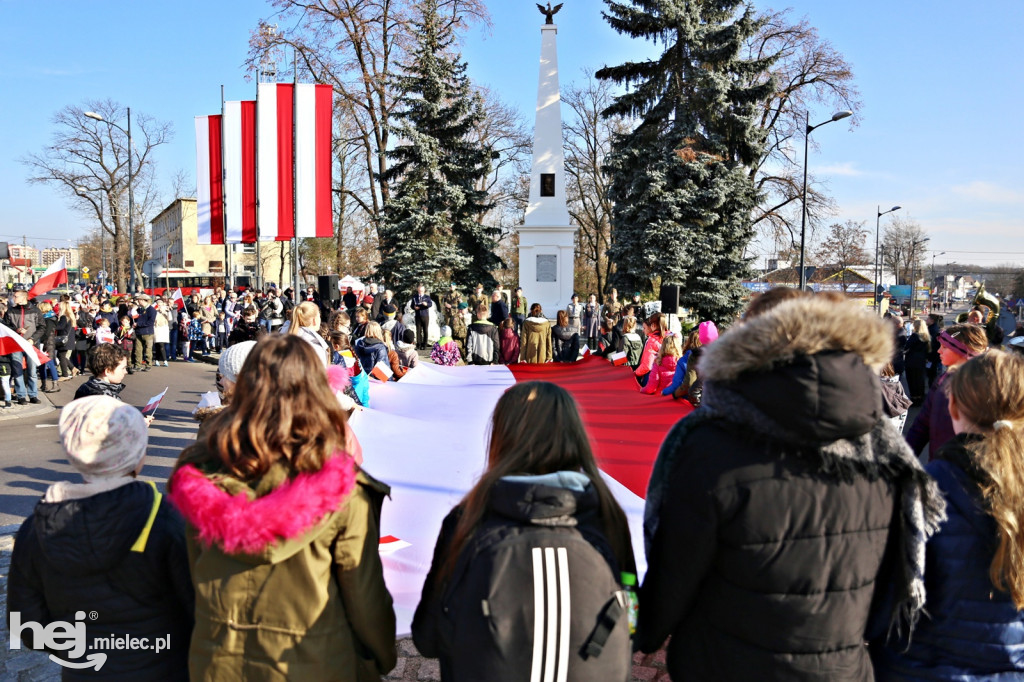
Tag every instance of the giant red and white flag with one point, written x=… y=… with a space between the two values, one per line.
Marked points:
x=240 y=172
x=54 y=276
x=293 y=179
x=625 y=429
x=13 y=342
x=209 y=180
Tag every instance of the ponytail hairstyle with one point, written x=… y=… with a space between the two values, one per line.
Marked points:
x=303 y=315
x=535 y=310
x=658 y=324
x=514 y=450
x=989 y=392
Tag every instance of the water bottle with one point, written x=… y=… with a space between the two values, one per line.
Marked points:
x=632 y=599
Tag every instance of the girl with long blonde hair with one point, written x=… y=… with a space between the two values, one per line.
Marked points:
x=305 y=323
x=975 y=563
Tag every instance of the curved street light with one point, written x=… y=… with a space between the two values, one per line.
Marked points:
x=131 y=195
x=878 y=271
x=838 y=116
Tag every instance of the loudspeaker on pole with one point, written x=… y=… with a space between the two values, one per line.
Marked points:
x=670 y=298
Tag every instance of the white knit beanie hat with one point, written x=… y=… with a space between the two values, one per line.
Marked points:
x=233 y=358
x=103 y=437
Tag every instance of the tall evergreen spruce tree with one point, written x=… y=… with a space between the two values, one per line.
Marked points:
x=680 y=183
x=432 y=230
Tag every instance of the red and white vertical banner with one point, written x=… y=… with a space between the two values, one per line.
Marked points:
x=240 y=171
x=275 y=156
x=313 y=161
x=209 y=181
x=276 y=149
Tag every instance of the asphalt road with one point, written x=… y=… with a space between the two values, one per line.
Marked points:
x=31 y=457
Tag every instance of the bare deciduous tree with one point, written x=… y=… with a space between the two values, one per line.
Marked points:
x=903 y=248
x=356 y=46
x=87 y=161
x=811 y=74
x=843 y=248
x=588 y=141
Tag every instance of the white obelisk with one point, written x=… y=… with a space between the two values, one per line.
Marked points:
x=546 y=237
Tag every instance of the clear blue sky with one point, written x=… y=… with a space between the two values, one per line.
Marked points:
x=938 y=133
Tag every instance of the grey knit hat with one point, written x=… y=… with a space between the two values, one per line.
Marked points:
x=102 y=437
x=233 y=358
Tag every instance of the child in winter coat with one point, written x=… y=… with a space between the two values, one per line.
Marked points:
x=110 y=547
x=540 y=510
x=284 y=543
x=631 y=342
x=445 y=351
x=125 y=334
x=665 y=366
x=692 y=386
x=973 y=564
x=895 y=402
x=655 y=328
x=196 y=337
x=509 y=353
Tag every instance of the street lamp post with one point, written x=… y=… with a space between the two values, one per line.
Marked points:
x=131 y=194
x=930 y=297
x=913 y=273
x=838 y=116
x=878 y=271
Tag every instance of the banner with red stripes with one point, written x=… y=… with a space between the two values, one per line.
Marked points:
x=294 y=160
x=209 y=181
x=274 y=152
x=240 y=171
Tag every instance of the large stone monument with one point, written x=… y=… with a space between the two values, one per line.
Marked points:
x=546 y=239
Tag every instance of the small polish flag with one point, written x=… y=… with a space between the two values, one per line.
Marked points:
x=585 y=353
x=154 y=403
x=389 y=544
x=381 y=371
x=178 y=299
x=54 y=276
x=13 y=342
x=617 y=358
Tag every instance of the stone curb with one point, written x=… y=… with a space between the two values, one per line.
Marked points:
x=29 y=411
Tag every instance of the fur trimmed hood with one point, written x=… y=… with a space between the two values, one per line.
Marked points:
x=267 y=527
x=805 y=326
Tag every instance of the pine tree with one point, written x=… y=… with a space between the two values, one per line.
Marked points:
x=680 y=182
x=432 y=230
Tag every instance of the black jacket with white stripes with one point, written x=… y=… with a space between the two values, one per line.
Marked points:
x=529 y=590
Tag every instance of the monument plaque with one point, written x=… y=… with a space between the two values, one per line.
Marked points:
x=547 y=268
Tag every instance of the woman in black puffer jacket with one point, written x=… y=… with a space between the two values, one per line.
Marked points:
x=778 y=511
x=916 y=350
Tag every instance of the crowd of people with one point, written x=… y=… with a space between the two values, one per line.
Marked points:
x=790 y=530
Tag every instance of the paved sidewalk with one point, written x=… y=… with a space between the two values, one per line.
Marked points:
x=28 y=411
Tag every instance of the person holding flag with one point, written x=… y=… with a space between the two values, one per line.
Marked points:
x=25 y=320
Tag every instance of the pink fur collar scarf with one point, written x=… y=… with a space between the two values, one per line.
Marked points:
x=241 y=525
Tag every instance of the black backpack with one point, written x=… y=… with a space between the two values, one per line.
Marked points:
x=537 y=602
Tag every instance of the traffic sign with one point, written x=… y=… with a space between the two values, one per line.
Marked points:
x=85 y=270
